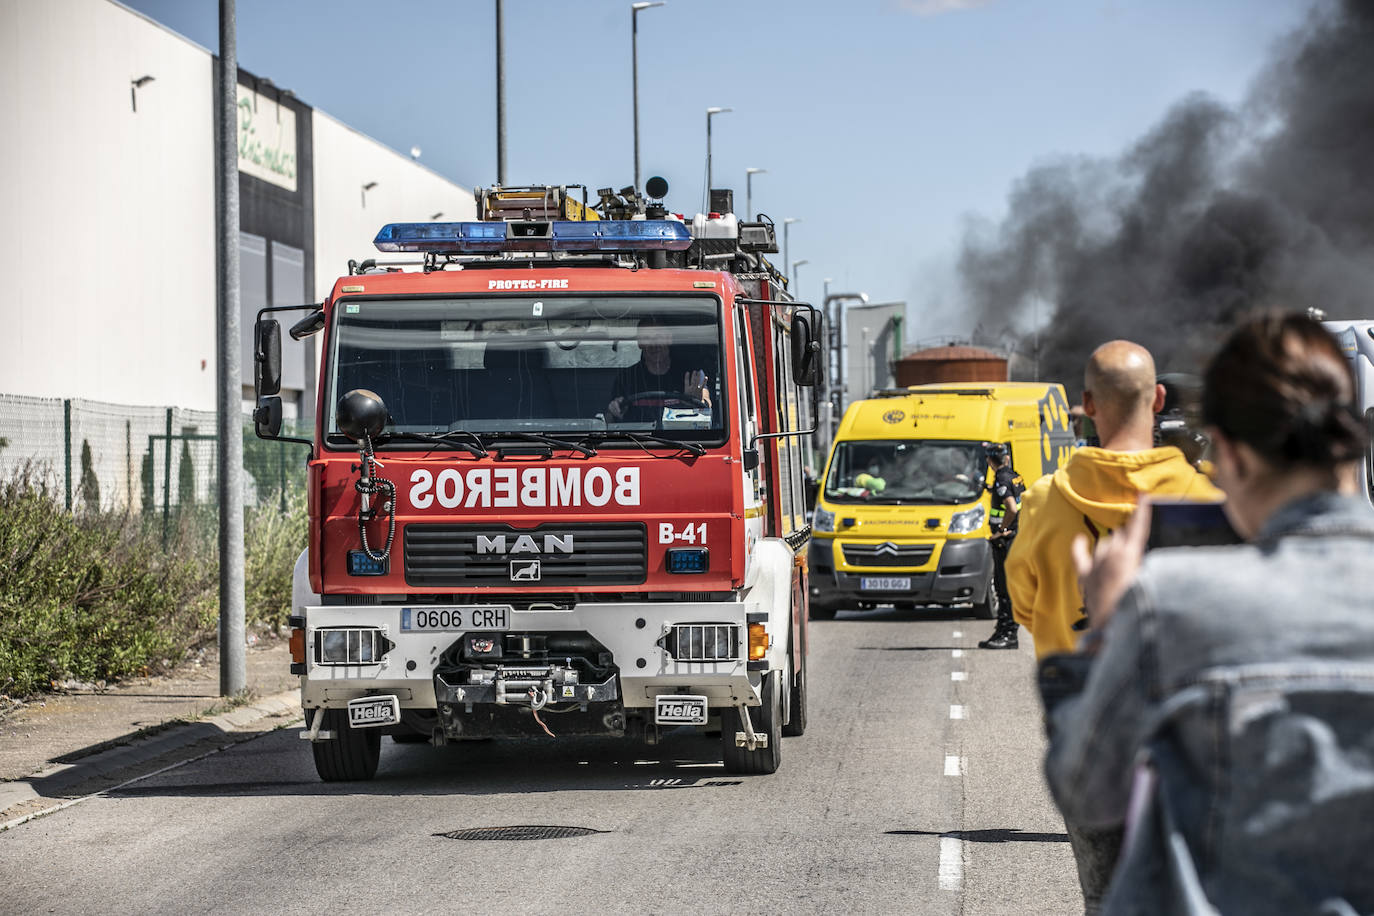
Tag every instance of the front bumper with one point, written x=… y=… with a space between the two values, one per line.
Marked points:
x=417 y=668
x=962 y=573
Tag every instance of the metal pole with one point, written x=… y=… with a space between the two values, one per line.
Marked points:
x=500 y=94
x=634 y=58
x=229 y=443
x=634 y=80
x=708 y=162
x=67 y=446
x=786 y=225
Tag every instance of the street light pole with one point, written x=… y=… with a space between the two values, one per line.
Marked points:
x=749 y=192
x=786 y=224
x=795 y=265
x=709 y=113
x=835 y=391
x=500 y=94
x=634 y=64
x=233 y=676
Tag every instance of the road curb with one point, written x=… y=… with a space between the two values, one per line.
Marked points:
x=160 y=741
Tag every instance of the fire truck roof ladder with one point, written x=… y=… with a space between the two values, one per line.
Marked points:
x=535 y=202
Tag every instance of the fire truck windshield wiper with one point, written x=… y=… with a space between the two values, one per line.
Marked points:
x=640 y=438
x=523 y=436
x=457 y=438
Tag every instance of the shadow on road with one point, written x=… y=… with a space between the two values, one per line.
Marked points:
x=995 y=835
x=679 y=761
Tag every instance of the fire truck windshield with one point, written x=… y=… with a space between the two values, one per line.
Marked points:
x=906 y=471
x=560 y=364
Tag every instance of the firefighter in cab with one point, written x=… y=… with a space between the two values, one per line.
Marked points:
x=1006 y=489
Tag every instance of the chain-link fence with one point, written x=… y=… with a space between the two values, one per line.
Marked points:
x=161 y=460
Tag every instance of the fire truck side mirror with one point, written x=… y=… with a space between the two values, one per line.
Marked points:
x=267 y=357
x=805 y=351
x=267 y=417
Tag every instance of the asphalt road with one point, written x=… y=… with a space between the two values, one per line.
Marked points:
x=915 y=790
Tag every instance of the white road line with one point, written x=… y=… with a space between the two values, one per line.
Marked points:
x=956 y=712
x=958 y=633
x=957 y=653
x=958 y=675
x=951 y=864
x=954 y=766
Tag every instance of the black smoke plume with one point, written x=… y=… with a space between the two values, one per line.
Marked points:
x=1213 y=213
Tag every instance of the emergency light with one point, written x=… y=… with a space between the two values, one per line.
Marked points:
x=551 y=235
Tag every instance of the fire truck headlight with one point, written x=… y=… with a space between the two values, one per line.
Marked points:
x=350 y=646
x=823 y=520
x=967 y=522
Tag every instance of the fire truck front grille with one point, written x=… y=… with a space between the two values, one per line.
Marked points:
x=500 y=555
x=889 y=554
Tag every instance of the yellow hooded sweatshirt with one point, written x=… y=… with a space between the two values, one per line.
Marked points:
x=1093 y=493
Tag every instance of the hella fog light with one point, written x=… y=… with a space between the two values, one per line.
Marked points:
x=823 y=520
x=758 y=642
x=350 y=646
x=688 y=559
x=967 y=522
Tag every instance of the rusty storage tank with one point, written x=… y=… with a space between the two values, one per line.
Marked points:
x=951 y=364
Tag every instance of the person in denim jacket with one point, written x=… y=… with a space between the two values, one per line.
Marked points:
x=1228 y=714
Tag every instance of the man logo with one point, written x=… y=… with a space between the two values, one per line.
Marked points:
x=524 y=570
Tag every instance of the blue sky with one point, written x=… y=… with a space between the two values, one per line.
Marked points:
x=886 y=126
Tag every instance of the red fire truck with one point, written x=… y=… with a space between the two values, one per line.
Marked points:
x=555 y=482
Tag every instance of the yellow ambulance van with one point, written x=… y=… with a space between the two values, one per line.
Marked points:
x=903 y=513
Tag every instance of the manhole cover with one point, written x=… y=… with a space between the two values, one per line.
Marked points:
x=526 y=832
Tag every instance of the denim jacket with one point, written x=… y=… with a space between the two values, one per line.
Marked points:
x=1234 y=690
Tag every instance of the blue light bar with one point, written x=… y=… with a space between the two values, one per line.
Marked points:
x=556 y=235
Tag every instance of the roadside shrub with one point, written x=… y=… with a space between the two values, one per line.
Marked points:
x=273 y=539
x=98 y=596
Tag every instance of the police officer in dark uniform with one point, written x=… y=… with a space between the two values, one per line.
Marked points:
x=1006 y=492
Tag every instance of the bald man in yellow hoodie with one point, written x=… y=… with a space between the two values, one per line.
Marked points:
x=1093 y=494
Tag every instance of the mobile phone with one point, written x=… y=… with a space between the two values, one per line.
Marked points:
x=1188 y=524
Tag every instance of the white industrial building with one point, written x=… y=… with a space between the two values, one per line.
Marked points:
x=107 y=189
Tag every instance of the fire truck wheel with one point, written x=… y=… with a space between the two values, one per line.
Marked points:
x=351 y=755
x=796 y=720
x=767 y=720
x=988 y=607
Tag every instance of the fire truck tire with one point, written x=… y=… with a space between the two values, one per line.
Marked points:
x=351 y=755
x=796 y=719
x=767 y=720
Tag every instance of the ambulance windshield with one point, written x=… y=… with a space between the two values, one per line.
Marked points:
x=559 y=364
x=906 y=471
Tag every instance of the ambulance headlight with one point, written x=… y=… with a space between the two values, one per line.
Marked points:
x=969 y=521
x=823 y=520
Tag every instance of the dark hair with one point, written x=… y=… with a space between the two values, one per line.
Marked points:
x=1281 y=385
